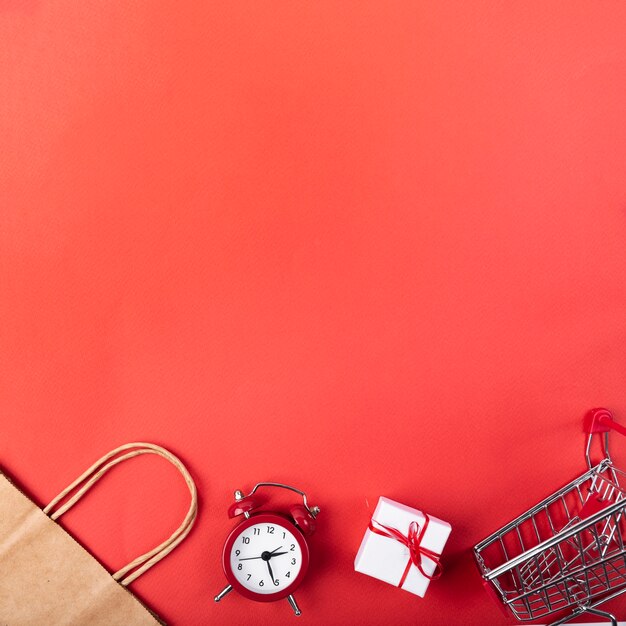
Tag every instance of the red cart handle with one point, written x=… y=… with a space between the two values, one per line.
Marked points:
x=600 y=421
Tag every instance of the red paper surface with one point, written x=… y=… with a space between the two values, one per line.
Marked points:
x=367 y=248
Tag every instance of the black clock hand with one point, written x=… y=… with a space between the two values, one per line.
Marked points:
x=269 y=567
x=266 y=556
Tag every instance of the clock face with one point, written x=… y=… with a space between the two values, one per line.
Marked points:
x=265 y=557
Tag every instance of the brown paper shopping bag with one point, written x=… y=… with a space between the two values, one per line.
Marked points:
x=48 y=579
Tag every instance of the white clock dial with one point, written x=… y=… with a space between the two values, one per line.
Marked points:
x=266 y=558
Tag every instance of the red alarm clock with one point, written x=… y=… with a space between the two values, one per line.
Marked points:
x=266 y=556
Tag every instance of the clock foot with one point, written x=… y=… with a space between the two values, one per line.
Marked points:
x=223 y=592
x=294 y=605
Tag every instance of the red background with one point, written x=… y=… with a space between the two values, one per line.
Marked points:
x=367 y=248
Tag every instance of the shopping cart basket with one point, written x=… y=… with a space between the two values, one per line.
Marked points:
x=566 y=555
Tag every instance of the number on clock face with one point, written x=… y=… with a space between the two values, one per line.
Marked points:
x=266 y=558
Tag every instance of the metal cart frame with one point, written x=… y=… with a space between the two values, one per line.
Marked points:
x=566 y=555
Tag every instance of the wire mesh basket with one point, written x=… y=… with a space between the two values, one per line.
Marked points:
x=567 y=554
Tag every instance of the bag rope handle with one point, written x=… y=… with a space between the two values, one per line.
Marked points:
x=92 y=475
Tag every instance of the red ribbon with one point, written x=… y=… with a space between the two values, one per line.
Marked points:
x=416 y=551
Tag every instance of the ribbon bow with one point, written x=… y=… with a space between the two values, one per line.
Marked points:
x=412 y=541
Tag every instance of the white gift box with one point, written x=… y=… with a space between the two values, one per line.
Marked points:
x=386 y=558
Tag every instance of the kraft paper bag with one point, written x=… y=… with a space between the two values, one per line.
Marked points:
x=48 y=579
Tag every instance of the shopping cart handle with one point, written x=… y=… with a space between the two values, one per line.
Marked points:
x=601 y=421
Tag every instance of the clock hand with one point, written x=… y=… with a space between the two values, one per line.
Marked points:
x=266 y=556
x=269 y=567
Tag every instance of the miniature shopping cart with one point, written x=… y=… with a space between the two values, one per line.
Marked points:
x=566 y=555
